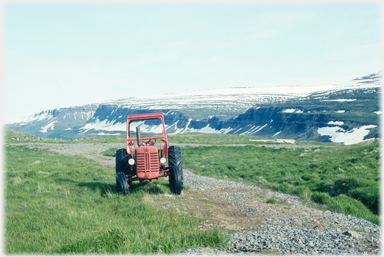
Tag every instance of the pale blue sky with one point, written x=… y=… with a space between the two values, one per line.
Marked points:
x=64 y=55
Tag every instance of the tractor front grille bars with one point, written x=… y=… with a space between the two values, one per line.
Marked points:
x=147 y=162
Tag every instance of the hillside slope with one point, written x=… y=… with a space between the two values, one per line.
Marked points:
x=346 y=114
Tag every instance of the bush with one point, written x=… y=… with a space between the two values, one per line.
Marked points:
x=303 y=192
x=272 y=201
x=369 y=196
x=345 y=204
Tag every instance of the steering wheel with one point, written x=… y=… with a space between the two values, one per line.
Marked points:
x=150 y=142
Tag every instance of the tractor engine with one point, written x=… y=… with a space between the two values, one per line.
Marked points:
x=147 y=162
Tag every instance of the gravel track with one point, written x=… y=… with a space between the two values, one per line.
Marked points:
x=289 y=227
x=298 y=229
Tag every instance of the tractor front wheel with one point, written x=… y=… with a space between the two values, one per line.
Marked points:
x=175 y=180
x=175 y=159
x=121 y=183
x=122 y=161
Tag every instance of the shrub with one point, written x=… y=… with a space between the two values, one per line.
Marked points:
x=369 y=196
x=345 y=204
x=303 y=192
x=272 y=201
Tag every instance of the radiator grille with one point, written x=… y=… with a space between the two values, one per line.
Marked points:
x=147 y=162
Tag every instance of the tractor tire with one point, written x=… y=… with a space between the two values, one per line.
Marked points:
x=121 y=183
x=175 y=159
x=175 y=180
x=122 y=161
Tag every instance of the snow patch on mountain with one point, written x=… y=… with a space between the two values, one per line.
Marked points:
x=250 y=131
x=45 y=115
x=226 y=130
x=107 y=134
x=292 y=111
x=173 y=129
x=276 y=134
x=186 y=126
x=336 y=123
x=244 y=97
x=339 y=135
x=50 y=126
x=103 y=125
x=260 y=128
x=339 y=100
x=289 y=110
x=206 y=129
x=155 y=129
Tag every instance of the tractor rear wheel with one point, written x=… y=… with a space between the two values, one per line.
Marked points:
x=121 y=183
x=175 y=180
x=175 y=159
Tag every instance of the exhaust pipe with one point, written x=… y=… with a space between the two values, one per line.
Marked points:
x=138 y=135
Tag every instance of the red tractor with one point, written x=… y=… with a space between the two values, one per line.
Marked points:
x=143 y=159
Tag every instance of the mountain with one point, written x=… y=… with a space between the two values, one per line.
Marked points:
x=51 y=122
x=344 y=116
x=347 y=113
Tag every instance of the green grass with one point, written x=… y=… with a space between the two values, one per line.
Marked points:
x=185 y=138
x=111 y=152
x=63 y=204
x=226 y=139
x=345 y=179
x=11 y=136
x=14 y=137
x=272 y=201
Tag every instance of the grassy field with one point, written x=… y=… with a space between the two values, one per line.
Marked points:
x=186 y=138
x=225 y=139
x=11 y=137
x=345 y=179
x=63 y=204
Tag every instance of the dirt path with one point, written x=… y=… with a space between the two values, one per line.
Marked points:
x=261 y=220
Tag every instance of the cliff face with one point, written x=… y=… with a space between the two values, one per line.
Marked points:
x=49 y=123
x=346 y=115
x=274 y=122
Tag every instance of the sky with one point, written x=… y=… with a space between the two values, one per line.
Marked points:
x=61 y=55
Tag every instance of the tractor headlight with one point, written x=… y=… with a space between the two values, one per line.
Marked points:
x=163 y=160
x=131 y=161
